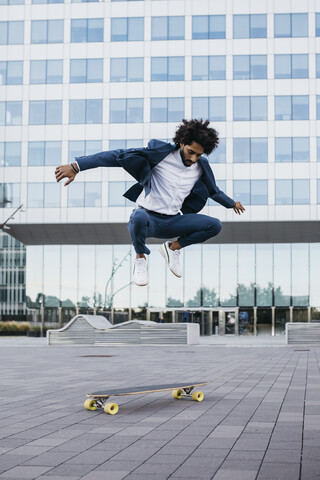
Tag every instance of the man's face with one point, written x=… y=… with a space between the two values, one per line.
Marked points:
x=190 y=154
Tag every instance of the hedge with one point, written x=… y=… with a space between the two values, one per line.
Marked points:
x=14 y=328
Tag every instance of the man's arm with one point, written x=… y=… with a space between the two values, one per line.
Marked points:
x=102 y=159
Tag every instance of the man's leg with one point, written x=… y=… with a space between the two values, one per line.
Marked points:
x=195 y=228
x=138 y=229
x=190 y=229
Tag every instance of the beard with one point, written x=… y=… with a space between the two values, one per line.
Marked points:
x=186 y=162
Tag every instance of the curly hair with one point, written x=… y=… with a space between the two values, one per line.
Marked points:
x=197 y=131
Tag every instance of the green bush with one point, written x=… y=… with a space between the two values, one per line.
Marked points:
x=14 y=328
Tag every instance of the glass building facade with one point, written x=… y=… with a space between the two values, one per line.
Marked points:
x=76 y=80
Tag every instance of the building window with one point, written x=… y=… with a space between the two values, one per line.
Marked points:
x=219 y=154
x=116 y=191
x=209 y=68
x=92 y=194
x=126 y=110
x=84 y=1
x=251 y=192
x=51 y=195
x=290 y=25
x=11 y=73
x=12 y=33
x=78 y=148
x=167 y=28
x=87 y=30
x=318 y=191
x=35 y=195
x=250 y=108
x=10 y=113
x=11 y=2
x=85 y=111
x=45 y=112
x=208 y=26
x=249 y=66
x=250 y=26
x=318 y=107
x=10 y=154
x=84 y=194
x=43 y=153
x=317 y=24
x=127 y=29
x=291 y=107
x=291 y=66
x=127 y=69
x=47 y=31
x=213 y=108
x=292 y=192
x=318 y=65
x=318 y=149
x=47 y=1
x=167 y=109
x=46 y=71
x=9 y=195
x=86 y=70
x=250 y=150
x=133 y=143
x=165 y=69
x=288 y=149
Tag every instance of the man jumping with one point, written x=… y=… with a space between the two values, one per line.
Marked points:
x=174 y=183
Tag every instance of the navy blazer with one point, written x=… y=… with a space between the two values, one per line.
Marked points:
x=139 y=162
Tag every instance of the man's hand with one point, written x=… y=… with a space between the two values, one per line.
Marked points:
x=65 y=171
x=238 y=208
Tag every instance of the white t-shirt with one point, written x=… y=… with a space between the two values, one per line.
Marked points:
x=171 y=183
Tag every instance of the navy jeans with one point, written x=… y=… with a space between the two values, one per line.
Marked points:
x=188 y=229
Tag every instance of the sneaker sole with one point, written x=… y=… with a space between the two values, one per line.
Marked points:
x=163 y=252
x=141 y=284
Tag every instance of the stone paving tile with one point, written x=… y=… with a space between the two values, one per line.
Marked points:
x=242 y=465
x=252 y=441
x=49 y=459
x=241 y=475
x=94 y=475
x=25 y=472
x=282 y=471
x=9 y=461
x=310 y=470
x=67 y=469
x=246 y=455
x=203 y=471
x=282 y=456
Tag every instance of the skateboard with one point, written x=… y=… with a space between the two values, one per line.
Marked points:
x=99 y=399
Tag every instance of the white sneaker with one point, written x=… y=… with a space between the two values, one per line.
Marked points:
x=172 y=258
x=140 y=272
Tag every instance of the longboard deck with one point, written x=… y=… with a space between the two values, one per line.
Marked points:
x=144 y=389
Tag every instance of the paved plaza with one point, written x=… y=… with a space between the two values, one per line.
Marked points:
x=260 y=418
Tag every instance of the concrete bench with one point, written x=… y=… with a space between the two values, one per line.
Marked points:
x=97 y=330
x=301 y=333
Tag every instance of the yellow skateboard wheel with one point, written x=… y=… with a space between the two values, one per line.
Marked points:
x=177 y=394
x=111 y=408
x=197 y=396
x=90 y=404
